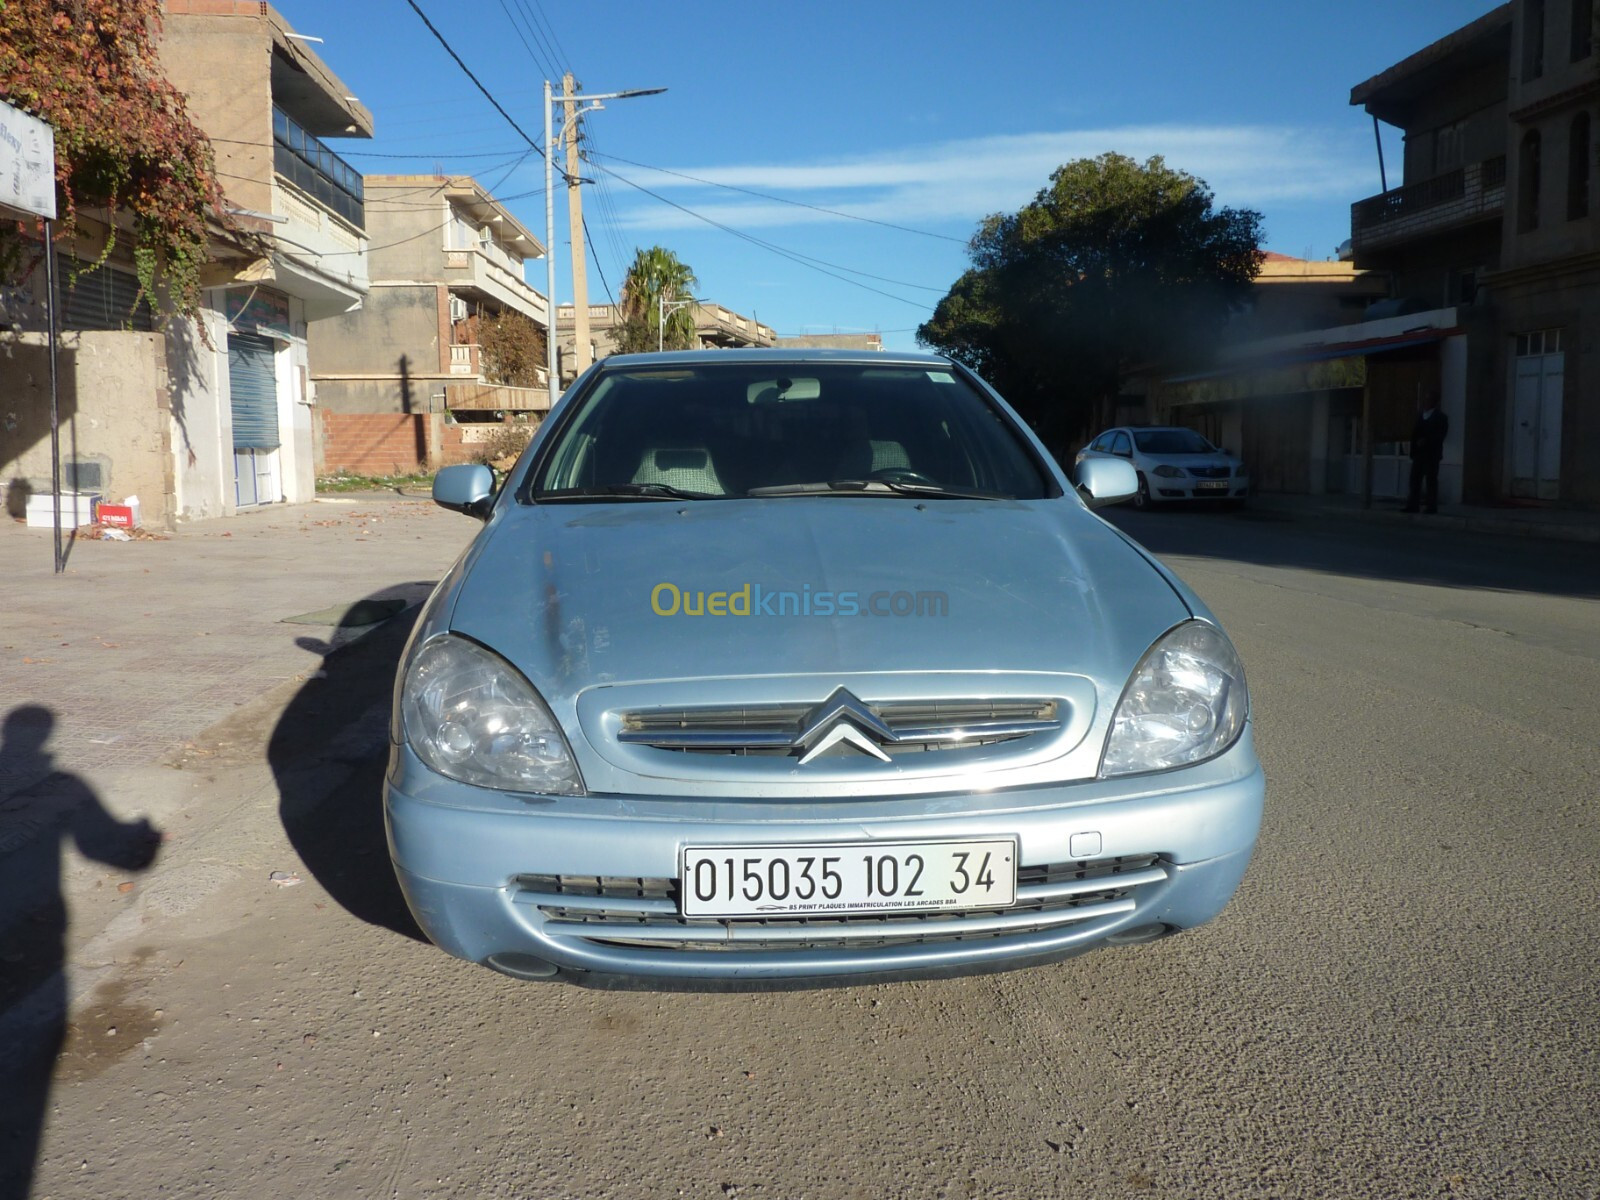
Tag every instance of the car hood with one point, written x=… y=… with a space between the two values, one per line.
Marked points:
x=578 y=595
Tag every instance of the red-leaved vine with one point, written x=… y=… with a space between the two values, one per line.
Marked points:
x=123 y=138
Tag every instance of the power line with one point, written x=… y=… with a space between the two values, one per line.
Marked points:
x=792 y=256
x=507 y=153
x=787 y=253
x=603 y=281
x=516 y=25
x=561 y=51
x=832 y=212
x=551 y=59
x=467 y=70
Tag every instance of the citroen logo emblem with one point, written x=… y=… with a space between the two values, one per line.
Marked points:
x=843 y=718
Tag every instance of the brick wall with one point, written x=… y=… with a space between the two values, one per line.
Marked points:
x=373 y=443
x=391 y=443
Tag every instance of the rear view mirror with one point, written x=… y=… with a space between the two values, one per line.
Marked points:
x=465 y=488
x=1103 y=481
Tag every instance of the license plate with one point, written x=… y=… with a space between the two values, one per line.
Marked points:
x=1217 y=485
x=835 y=878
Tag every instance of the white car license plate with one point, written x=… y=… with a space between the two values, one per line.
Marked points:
x=1213 y=485
x=837 y=878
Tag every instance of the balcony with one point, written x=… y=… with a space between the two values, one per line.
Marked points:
x=717 y=326
x=317 y=171
x=497 y=397
x=491 y=272
x=1465 y=196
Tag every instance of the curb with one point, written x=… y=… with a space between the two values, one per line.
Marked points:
x=1496 y=526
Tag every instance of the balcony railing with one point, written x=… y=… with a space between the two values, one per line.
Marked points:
x=1457 y=197
x=317 y=171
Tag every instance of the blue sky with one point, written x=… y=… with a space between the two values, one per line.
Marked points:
x=924 y=115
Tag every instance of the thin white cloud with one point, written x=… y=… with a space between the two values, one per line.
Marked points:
x=961 y=181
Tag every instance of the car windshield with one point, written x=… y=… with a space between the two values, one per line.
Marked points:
x=1172 y=441
x=768 y=429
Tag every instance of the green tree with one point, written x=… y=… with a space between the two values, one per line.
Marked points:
x=656 y=274
x=1114 y=267
x=123 y=138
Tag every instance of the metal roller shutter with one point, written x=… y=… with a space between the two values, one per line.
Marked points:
x=253 y=392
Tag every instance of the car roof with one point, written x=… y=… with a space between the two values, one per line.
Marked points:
x=778 y=354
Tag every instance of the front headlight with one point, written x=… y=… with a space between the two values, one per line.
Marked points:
x=1167 y=471
x=471 y=716
x=1185 y=703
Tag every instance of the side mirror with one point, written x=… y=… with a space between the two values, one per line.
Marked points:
x=1103 y=481
x=465 y=488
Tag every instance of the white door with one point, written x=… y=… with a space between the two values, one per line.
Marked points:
x=1536 y=416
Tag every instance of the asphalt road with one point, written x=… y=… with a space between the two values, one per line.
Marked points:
x=1402 y=1001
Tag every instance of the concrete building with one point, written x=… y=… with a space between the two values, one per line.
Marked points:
x=834 y=341
x=1493 y=235
x=266 y=101
x=1288 y=377
x=404 y=381
x=716 y=328
x=200 y=418
x=1489 y=251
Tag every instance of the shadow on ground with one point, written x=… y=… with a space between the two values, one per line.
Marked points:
x=37 y=823
x=1404 y=553
x=328 y=754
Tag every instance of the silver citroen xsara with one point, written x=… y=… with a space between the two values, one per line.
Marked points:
x=788 y=668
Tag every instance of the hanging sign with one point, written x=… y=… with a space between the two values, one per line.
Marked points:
x=27 y=164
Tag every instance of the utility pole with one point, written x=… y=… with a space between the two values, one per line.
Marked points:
x=580 y=256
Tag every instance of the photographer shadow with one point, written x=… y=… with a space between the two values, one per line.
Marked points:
x=49 y=811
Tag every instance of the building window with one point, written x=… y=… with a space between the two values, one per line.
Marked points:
x=98 y=296
x=1532 y=39
x=1578 y=160
x=1528 y=168
x=1540 y=341
x=1582 y=29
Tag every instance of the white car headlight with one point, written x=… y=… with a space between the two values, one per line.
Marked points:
x=1167 y=471
x=1185 y=703
x=471 y=716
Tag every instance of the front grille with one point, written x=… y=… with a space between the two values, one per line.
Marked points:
x=642 y=913
x=771 y=729
x=1209 y=472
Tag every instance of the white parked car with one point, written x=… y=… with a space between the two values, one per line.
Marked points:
x=1173 y=463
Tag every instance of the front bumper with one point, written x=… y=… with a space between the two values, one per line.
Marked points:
x=479 y=872
x=1185 y=489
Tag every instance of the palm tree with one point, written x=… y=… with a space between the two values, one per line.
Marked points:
x=657 y=275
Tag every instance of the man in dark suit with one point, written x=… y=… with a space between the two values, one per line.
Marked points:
x=1427 y=448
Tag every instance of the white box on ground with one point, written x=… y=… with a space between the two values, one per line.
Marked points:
x=77 y=508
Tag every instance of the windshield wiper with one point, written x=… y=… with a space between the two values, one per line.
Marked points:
x=875 y=487
x=625 y=491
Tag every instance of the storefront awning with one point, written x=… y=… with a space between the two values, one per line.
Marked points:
x=1289 y=371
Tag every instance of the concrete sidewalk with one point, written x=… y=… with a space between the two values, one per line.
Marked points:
x=1530 y=521
x=138 y=646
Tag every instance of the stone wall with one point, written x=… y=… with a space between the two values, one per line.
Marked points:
x=114 y=410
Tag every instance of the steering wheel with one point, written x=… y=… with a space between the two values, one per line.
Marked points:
x=903 y=475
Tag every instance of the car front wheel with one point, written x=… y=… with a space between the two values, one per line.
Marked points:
x=1141 y=499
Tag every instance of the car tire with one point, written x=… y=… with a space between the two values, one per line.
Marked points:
x=1141 y=498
